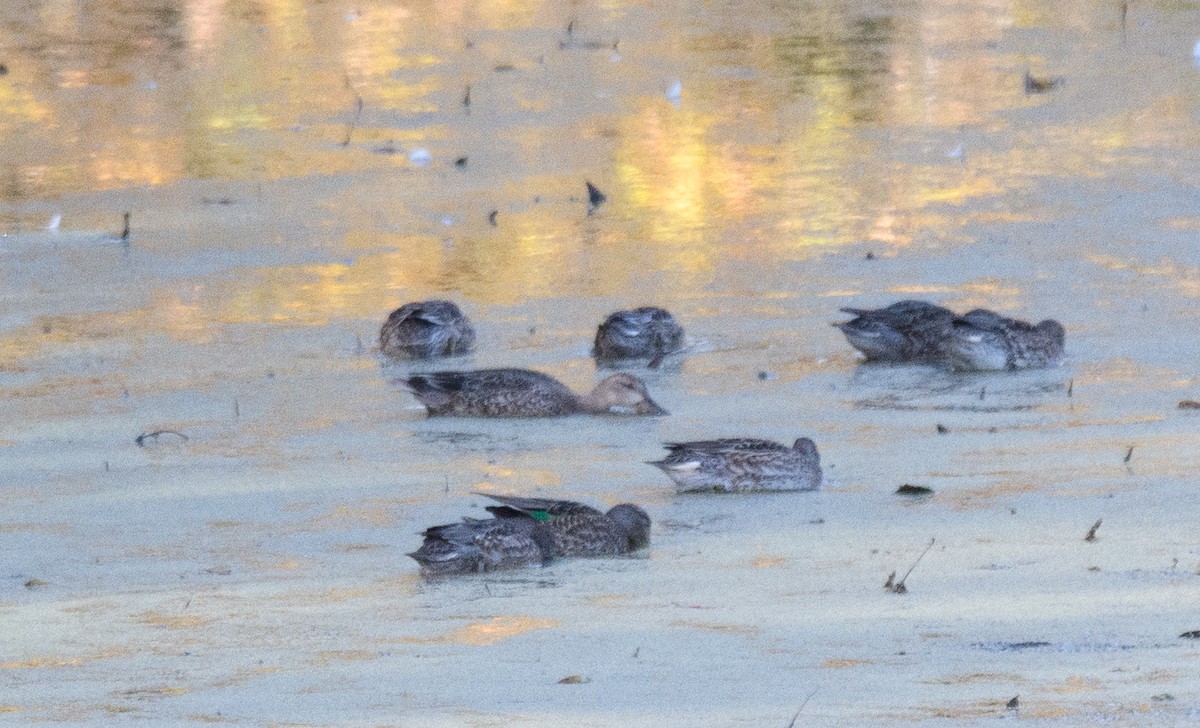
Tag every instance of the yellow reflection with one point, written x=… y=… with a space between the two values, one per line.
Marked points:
x=494 y=630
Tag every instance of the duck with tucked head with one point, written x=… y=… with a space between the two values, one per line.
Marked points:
x=983 y=340
x=526 y=393
x=641 y=333
x=742 y=464
x=906 y=331
x=426 y=329
x=478 y=545
x=578 y=529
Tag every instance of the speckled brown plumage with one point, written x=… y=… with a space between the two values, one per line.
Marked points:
x=641 y=333
x=578 y=529
x=426 y=329
x=477 y=545
x=742 y=464
x=525 y=393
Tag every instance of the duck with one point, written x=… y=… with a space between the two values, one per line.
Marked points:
x=477 y=545
x=526 y=393
x=983 y=340
x=648 y=332
x=425 y=330
x=906 y=331
x=578 y=529
x=732 y=465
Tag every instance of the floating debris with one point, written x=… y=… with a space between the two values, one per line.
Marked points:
x=1014 y=703
x=869 y=256
x=145 y=437
x=388 y=147
x=461 y=163
x=765 y=376
x=1091 y=534
x=124 y=237
x=1034 y=85
x=1189 y=404
x=914 y=490
x=1193 y=635
x=596 y=198
x=358 y=109
x=1071 y=387
x=492 y=218
x=942 y=429
x=1009 y=646
x=420 y=157
x=1162 y=698
x=574 y=680
x=36 y=584
x=466 y=101
x=1129 y=454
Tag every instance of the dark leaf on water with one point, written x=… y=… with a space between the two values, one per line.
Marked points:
x=914 y=490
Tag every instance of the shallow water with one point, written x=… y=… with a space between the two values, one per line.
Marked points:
x=255 y=573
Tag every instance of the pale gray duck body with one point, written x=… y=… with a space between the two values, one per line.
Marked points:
x=983 y=340
x=742 y=464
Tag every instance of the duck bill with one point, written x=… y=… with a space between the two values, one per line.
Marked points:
x=649 y=407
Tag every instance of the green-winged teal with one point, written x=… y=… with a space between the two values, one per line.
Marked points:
x=525 y=393
x=476 y=545
x=580 y=530
x=640 y=333
x=742 y=464
x=906 y=331
x=426 y=329
x=985 y=340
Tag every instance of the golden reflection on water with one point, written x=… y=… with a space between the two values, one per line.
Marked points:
x=827 y=126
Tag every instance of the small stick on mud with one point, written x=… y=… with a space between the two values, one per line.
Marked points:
x=801 y=708
x=358 y=109
x=897 y=587
x=1129 y=454
x=142 y=438
x=1091 y=534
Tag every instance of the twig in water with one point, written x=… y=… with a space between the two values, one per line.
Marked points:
x=125 y=230
x=1091 y=534
x=801 y=708
x=1070 y=387
x=358 y=109
x=1129 y=454
x=982 y=393
x=898 y=586
x=142 y=438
